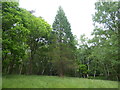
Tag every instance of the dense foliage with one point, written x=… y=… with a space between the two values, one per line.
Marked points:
x=31 y=46
x=100 y=54
x=23 y=36
x=64 y=47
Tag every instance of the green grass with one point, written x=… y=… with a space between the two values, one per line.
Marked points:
x=0 y=82
x=34 y=81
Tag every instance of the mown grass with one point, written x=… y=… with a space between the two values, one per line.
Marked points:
x=34 y=81
x=0 y=82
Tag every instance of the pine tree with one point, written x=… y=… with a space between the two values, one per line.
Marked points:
x=63 y=43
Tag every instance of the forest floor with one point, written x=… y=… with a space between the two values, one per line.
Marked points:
x=35 y=81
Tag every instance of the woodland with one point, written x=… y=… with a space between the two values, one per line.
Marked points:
x=31 y=46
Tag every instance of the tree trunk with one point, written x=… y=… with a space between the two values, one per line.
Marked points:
x=21 y=66
x=43 y=71
x=30 y=62
x=61 y=74
x=84 y=75
x=10 y=69
x=105 y=72
x=94 y=73
x=30 y=67
x=50 y=70
x=88 y=68
x=87 y=75
x=115 y=74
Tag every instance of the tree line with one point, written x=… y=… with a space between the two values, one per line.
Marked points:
x=32 y=46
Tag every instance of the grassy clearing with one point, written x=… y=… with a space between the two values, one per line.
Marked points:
x=0 y=82
x=34 y=81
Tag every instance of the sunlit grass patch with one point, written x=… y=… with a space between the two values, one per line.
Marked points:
x=34 y=81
